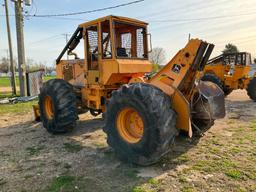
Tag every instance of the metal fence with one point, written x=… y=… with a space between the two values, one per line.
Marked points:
x=34 y=82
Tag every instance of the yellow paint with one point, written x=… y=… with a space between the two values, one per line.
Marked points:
x=99 y=78
x=130 y=125
x=48 y=107
x=233 y=77
x=36 y=112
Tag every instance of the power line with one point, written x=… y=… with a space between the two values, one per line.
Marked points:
x=60 y=18
x=182 y=9
x=204 y=18
x=45 y=39
x=79 y=13
x=86 y=12
x=236 y=41
x=251 y=37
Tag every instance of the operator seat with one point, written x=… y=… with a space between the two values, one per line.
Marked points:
x=121 y=52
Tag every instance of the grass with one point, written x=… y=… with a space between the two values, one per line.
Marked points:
x=139 y=189
x=47 y=78
x=72 y=147
x=154 y=182
x=253 y=125
x=211 y=166
x=5 y=81
x=183 y=158
x=60 y=183
x=152 y=185
x=17 y=108
x=100 y=145
x=34 y=150
x=234 y=174
x=187 y=189
x=8 y=95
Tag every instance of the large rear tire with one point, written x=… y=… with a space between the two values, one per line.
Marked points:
x=212 y=78
x=217 y=81
x=251 y=89
x=57 y=104
x=140 y=123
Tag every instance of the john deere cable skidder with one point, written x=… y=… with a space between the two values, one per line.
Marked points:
x=143 y=114
x=231 y=71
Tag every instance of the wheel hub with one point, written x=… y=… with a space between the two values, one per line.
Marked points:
x=48 y=106
x=130 y=125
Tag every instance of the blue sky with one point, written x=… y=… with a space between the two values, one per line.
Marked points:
x=44 y=38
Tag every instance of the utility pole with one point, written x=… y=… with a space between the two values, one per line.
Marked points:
x=12 y=67
x=66 y=36
x=20 y=46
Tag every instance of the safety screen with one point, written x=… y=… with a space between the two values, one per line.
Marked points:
x=237 y=59
x=130 y=41
x=106 y=40
x=230 y=59
x=92 y=47
x=126 y=43
x=92 y=35
x=248 y=59
x=240 y=59
x=140 y=43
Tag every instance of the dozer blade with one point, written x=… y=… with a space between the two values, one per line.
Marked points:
x=210 y=102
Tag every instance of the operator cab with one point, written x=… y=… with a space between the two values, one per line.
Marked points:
x=239 y=59
x=129 y=41
x=116 y=45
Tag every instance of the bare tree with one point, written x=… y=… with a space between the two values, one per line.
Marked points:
x=254 y=60
x=33 y=65
x=4 y=65
x=49 y=70
x=230 y=48
x=157 y=56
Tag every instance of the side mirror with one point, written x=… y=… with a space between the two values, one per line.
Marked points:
x=150 y=42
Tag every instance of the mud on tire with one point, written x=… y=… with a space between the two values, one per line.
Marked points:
x=251 y=89
x=64 y=110
x=154 y=107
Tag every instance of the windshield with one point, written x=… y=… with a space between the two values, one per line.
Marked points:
x=130 y=41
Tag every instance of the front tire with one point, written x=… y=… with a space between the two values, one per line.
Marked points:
x=140 y=123
x=251 y=89
x=57 y=104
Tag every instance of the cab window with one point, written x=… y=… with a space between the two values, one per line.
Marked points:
x=106 y=40
x=130 y=41
x=92 y=47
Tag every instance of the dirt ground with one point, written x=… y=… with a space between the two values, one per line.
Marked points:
x=224 y=159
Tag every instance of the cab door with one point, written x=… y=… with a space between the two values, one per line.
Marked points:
x=92 y=54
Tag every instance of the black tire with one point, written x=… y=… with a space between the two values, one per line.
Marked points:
x=251 y=89
x=64 y=106
x=159 y=119
x=212 y=78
